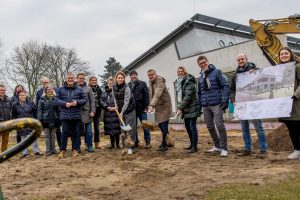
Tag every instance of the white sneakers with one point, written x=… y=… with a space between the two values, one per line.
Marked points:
x=213 y=149
x=223 y=152
x=129 y=151
x=294 y=155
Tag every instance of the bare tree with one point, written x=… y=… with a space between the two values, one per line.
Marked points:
x=60 y=61
x=33 y=60
x=26 y=65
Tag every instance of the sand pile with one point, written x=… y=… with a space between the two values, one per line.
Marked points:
x=278 y=139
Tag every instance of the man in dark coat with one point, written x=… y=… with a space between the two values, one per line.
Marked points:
x=245 y=66
x=213 y=96
x=141 y=96
x=70 y=99
x=5 y=114
x=96 y=119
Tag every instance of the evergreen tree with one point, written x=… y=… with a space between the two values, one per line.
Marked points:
x=111 y=69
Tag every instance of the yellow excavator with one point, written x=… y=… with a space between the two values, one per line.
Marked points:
x=265 y=34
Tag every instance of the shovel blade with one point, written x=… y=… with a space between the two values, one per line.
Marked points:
x=126 y=128
x=148 y=124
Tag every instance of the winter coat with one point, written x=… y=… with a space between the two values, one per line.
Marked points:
x=48 y=112
x=295 y=114
x=111 y=120
x=219 y=91
x=97 y=93
x=248 y=66
x=124 y=98
x=141 y=96
x=14 y=99
x=5 y=108
x=67 y=94
x=189 y=103
x=27 y=109
x=160 y=99
x=90 y=104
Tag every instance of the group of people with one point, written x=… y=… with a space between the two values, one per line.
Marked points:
x=77 y=105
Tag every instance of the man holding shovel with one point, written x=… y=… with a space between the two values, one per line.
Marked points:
x=161 y=102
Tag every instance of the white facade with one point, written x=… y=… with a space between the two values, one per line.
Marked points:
x=166 y=61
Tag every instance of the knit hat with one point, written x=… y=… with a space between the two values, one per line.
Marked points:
x=133 y=72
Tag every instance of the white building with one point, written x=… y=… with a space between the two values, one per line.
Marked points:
x=217 y=39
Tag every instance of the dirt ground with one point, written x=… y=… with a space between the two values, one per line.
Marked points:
x=147 y=174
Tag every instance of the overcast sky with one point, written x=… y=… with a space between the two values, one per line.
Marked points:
x=123 y=29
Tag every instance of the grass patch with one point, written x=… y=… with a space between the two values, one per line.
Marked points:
x=287 y=189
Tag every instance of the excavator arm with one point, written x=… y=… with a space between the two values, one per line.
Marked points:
x=265 y=34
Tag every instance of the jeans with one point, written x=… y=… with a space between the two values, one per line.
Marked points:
x=164 y=127
x=213 y=116
x=88 y=134
x=58 y=135
x=50 y=134
x=35 y=146
x=147 y=137
x=260 y=134
x=70 y=127
x=96 y=121
x=190 y=125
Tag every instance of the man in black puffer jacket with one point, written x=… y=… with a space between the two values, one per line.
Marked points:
x=141 y=97
x=70 y=99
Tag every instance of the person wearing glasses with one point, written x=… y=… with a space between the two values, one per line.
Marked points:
x=213 y=97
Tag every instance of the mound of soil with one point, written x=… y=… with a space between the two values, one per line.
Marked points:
x=278 y=139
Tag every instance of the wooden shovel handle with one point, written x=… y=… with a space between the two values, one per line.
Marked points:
x=119 y=116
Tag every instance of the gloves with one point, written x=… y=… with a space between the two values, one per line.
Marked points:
x=224 y=106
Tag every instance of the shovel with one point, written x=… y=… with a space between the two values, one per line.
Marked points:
x=123 y=127
x=151 y=125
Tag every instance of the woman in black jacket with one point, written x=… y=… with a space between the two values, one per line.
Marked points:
x=111 y=120
x=48 y=115
x=25 y=108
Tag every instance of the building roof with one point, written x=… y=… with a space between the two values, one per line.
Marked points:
x=200 y=21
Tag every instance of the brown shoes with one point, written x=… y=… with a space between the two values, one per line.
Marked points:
x=244 y=153
x=75 y=153
x=61 y=154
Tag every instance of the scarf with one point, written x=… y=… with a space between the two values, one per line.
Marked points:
x=207 y=84
x=178 y=89
x=133 y=83
x=49 y=96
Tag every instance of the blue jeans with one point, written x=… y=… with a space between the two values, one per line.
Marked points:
x=147 y=137
x=88 y=134
x=190 y=125
x=70 y=128
x=164 y=130
x=96 y=120
x=35 y=146
x=260 y=134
